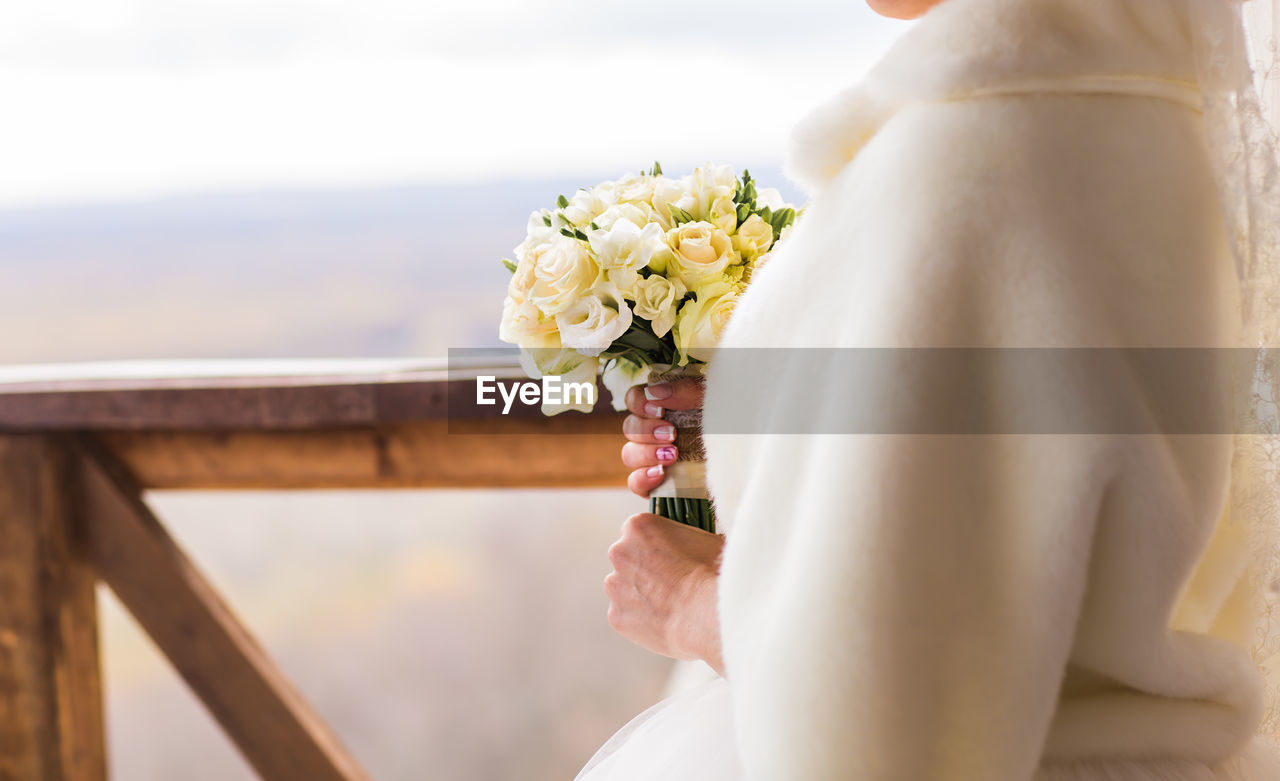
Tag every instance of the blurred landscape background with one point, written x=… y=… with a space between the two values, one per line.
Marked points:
x=188 y=179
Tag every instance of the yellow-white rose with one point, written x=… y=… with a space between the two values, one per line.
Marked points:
x=656 y=300
x=702 y=321
x=562 y=273
x=522 y=323
x=523 y=278
x=700 y=252
x=723 y=213
x=592 y=322
x=753 y=238
x=545 y=355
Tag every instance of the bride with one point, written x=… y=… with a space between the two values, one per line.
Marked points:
x=1000 y=604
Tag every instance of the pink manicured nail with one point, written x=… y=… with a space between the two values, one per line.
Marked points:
x=654 y=471
x=653 y=410
x=665 y=433
x=666 y=453
x=658 y=390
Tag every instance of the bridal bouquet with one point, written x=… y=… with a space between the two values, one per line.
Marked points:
x=635 y=279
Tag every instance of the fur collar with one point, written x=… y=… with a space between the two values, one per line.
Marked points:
x=962 y=46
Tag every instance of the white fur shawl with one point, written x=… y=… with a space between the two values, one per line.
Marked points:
x=965 y=608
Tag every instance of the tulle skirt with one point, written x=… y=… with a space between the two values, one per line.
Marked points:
x=689 y=737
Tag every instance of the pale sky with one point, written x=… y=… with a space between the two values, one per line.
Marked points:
x=121 y=99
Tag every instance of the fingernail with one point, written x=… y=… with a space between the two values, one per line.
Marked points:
x=665 y=433
x=658 y=390
x=654 y=471
x=653 y=410
x=666 y=453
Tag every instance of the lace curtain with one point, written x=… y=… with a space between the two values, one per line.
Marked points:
x=1236 y=53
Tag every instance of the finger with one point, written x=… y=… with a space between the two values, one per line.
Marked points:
x=682 y=393
x=636 y=403
x=641 y=481
x=648 y=431
x=636 y=455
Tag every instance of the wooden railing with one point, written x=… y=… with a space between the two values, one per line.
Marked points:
x=79 y=446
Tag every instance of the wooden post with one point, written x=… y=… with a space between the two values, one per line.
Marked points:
x=50 y=688
x=268 y=720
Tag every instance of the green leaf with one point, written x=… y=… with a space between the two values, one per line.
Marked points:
x=577 y=234
x=546 y=220
x=567 y=232
x=680 y=216
x=511 y=266
x=593 y=226
x=744 y=211
x=657 y=168
x=562 y=201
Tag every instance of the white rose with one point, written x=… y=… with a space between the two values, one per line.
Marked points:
x=569 y=365
x=667 y=192
x=537 y=233
x=700 y=252
x=593 y=322
x=707 y=185
x=562 y=273
x=620 y=376
x=624 y=248
x=635 y=188
x=702 y=321
x=769 y=196
x=656 y=300
x=753 y=238
x=639 y=214
x=586 y=205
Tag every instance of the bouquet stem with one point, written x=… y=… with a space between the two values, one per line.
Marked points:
x=682 y=496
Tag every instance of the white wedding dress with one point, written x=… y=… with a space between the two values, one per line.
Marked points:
x=1061 y=607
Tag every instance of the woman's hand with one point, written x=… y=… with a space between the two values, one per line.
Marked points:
x=662 y=591
x=651 y=439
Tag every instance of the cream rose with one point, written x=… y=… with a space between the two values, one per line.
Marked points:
x=700 y=252
x=753 y=238
x=592 y=322
x=656 y=300
x=563 y=272
x=702 y=321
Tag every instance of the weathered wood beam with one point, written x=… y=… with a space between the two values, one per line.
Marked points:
x=556 y=452
x=50 y=687
x=266 y=718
